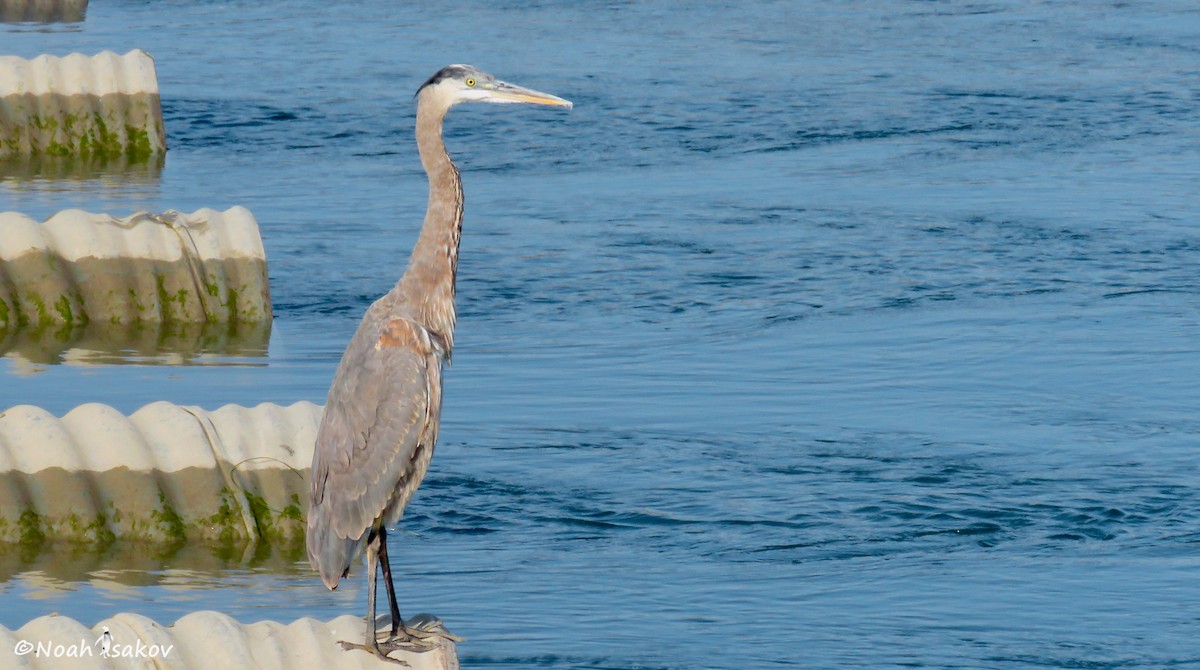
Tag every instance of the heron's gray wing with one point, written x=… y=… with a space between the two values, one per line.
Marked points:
x=379 y=416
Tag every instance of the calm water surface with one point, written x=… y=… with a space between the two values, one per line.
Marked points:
x=827 y=334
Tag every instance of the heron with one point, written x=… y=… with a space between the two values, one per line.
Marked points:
x=380 y=424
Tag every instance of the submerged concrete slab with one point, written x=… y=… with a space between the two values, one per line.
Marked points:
x=78 y=267
x=43 y=11
x=166 y=473
x=103 y=105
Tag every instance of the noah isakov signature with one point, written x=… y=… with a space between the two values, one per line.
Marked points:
x=104 y=646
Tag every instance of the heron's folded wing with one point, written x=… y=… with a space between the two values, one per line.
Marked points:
x=375 y=423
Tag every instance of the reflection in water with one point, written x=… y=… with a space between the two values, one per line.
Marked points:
x=43 y=184
x=43 y=11
x=48 y=568
x=107 y=170
x=148 y=343
x=97 y=581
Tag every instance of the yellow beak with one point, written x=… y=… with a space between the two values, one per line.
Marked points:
x=503 y=92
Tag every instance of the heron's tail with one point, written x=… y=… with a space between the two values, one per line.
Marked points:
x=329 y=554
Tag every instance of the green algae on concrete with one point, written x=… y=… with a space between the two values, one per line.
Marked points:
x=220 y=516
x=165 y=474
x=30 y=525
x=170 y=524
x=86 y=126
x=41 y=11
x=77 y=267
x=40 y=292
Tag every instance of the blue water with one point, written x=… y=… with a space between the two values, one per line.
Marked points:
x=835 y=334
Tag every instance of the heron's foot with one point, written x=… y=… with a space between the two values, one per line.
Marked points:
x=375 y=650
x=408 y=642
x=427 y=628
x=419 y=634
x=412 y=638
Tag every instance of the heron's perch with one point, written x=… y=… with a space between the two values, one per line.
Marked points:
x=77 y=268
x=100 y=106
x=205 y=640
x=166 y=473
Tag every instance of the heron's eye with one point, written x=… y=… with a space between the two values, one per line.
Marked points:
x=470 y=82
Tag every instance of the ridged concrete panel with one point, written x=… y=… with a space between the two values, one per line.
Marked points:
x=102 y=105
x=165 y=473
x=103 y=74
x=42 y=11
x=209 y=640
x=78 y=267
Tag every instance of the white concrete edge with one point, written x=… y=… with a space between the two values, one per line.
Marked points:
x=159 y=437
x=105 y=73
x=73 y=234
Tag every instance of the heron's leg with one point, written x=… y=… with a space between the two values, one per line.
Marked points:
x=401 y=637
x=372 y=642
x=386 y=564
x=372 y=560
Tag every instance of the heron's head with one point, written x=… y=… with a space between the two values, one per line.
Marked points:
x=463 y=83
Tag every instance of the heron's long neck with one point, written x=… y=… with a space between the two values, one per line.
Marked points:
x=427 y=286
